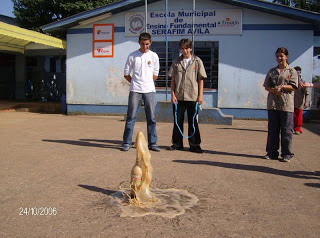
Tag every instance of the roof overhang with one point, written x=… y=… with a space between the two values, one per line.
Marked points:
x=16 y=39
x=63 y=25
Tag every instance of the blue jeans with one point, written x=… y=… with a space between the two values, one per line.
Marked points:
x=149 y=107
x=279 y=123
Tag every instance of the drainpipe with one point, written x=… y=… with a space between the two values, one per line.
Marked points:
x=167 y=50
x=146 y=16
x=193 y=11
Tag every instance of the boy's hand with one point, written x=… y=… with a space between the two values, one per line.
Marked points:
x=307 y=85
x=278 y=90
x=200 y=100
x=174 y=99
x=305 y=105
x=128 y=78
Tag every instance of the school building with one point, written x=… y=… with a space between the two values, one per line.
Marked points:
x=236 y=40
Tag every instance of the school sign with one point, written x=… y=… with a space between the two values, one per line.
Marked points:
x=206 y=22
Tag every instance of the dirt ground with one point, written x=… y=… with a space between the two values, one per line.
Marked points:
x=70 y=165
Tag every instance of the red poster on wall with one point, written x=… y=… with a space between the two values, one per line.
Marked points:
x=103 y=38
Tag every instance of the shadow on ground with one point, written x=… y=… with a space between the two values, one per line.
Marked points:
x=241 y=129
x=313 y=127
x=313 y=185
x=114 y=144
x=256 y=168
x=97 y=189
x=232 y=154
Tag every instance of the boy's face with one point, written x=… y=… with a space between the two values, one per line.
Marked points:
x=185 y=51
x=281 y=58
x=144 y=45
x=298 y=72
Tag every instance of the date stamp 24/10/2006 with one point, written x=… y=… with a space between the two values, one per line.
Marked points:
x=38 y=211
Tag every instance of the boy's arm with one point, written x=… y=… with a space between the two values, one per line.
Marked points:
x=128 y=78
x=156 y=67
x=128 y=69
x=293 y=83
x=306 y=101
x=173 y=96
x=276 y=90
x=200 y=91
x=306 y=94
x=311 y=85
x=201 y=76
x=287 y=88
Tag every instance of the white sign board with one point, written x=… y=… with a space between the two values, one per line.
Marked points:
x=103 y=32
x=206 y=22
x=102 y=42
x=102 y=49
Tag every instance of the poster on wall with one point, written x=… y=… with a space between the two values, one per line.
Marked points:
x=207 y=22
x=103 y=39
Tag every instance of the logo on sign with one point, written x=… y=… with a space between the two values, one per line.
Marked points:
x=136 y=24
x=103 y=32
x=228 y=22
x=102 y=50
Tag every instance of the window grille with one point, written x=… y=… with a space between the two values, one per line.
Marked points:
x=208 y=52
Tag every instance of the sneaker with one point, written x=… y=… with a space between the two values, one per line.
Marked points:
x=297 y=132
x=154 y=148
x=173 y=147
x=125 y=147
x=269 y=157
x=196 y=150
x=287 y=158
x=266 y=157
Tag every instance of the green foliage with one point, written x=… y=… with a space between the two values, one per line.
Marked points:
x=310 y=5
x=31 y=14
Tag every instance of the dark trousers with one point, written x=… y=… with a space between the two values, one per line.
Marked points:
x=177 y=139
x=279 y=122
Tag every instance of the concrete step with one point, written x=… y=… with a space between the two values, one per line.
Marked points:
x=206 y=115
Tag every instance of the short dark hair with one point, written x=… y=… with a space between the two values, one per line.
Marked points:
x=282 y=50
x=144 y=36
x=186 y=42
x=297 y=68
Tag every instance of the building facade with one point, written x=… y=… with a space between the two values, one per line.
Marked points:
x=237 y=41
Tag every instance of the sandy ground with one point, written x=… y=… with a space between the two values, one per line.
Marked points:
x=72 y=164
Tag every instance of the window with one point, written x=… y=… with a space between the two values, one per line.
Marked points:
x=53 y=65
x=208 y=52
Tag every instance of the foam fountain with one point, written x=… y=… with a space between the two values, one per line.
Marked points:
x=141 y=173
x=140 y=200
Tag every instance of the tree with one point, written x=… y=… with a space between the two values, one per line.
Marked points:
x=310 y=5
x=31 y=14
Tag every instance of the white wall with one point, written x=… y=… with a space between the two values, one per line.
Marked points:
x=243 y=60
x=96 y=80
